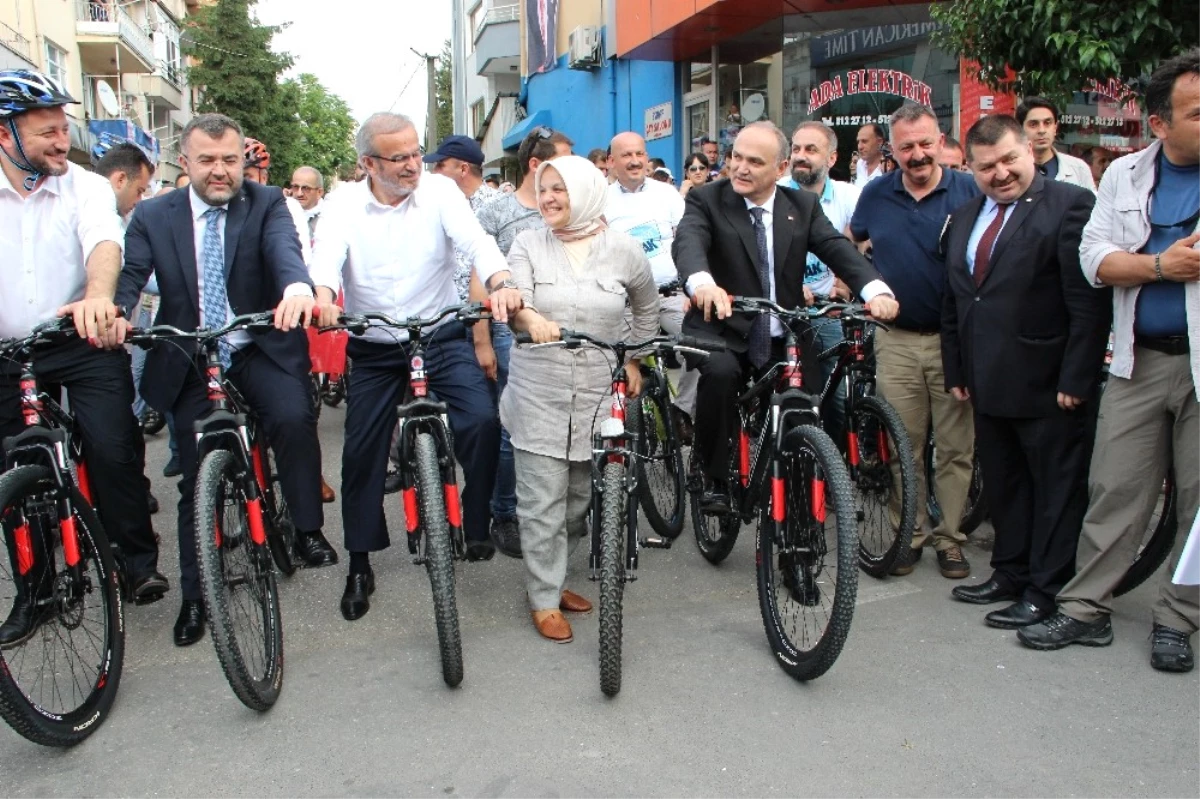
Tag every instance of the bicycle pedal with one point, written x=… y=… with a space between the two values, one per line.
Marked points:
x=654 y=542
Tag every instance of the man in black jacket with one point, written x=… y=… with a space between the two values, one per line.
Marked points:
x=241 y=233
x=1023 y=336
x=748 y=236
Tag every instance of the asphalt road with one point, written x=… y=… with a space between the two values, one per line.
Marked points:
x=924 y=700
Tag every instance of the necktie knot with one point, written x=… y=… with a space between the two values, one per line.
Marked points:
x=213 y=214
x=757 y=213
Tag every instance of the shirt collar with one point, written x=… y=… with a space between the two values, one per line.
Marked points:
x=898 y=181
x=372 y=204
x=54 y=185
x=199 y=207
x=766 y=206
x=624 y=190
x=827 y=192
x=316 y=210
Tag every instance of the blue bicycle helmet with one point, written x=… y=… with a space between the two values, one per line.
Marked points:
x=23 y=90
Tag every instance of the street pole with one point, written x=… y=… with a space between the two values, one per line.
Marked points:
x=431 y=110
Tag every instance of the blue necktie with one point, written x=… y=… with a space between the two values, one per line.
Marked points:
x=760 y=331
x=213 y=301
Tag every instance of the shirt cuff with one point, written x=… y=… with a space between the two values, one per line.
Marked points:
x=874 y=289
x=698 y=279
x=298 y=290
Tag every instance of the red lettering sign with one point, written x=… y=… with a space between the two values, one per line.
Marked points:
x=870 y=81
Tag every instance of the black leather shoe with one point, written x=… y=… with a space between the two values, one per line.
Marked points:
x=479 y=550
x=1171 y=650
x=189 y=627
x=172 y=469
x=314 y=550
x=506 y=535
x=27 y=613
x=715 y=498
x=1018 y=615
x=1061 y=630
x=985 y=593
x=355 y=600
x=391 y=483
x=149 y=587
x=152 y=421
x=802 y=588
x=152 y=502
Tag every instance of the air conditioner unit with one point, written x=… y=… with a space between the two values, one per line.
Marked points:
x=584 y=48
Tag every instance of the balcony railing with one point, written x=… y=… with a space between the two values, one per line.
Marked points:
x=105 y=17
x=14 y=41
x=497 y=14
x=172 y=72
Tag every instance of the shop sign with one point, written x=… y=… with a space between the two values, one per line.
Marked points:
x=659 y=122
x=857 y=42
x=870 y=81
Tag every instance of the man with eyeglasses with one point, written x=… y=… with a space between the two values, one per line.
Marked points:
x=308 y=189
x=391 y=241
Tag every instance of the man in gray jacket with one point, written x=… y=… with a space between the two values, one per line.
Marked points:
x=1039 y=117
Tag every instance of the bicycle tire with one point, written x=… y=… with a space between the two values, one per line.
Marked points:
x=281 y=530
x=612 y=576
x=253 y=663
x=1157 y=547
x=715 y=533
x=881 y=542
x=439 y=557
x=808 y=450
x=659 y=458
x=30 y=716
x=317 y=390
x=977 y=505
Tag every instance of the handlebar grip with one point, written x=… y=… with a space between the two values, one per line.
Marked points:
x=522 y=338
x=711 y=345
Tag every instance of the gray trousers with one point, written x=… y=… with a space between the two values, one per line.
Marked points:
x=552 y=505
x=1146 y=423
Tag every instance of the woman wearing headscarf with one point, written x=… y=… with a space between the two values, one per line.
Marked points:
x=575 y=274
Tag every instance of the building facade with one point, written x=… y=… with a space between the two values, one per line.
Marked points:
x=485 y=47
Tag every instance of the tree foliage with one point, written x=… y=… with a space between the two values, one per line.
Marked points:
x=444 y=84
x=325 y=129
x=1055 y=47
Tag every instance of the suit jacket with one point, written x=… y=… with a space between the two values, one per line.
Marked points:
x=716 y=235
x=262 y=258
x=1035 y=326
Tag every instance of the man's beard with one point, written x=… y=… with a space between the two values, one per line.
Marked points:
x=812 y=177
x=46 y=168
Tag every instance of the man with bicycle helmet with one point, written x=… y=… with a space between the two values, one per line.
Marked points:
x=63 y=240
x=256 y=166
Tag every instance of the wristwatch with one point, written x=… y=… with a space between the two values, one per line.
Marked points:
x=506 y=283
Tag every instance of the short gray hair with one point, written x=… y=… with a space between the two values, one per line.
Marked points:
x=785 y=146
x=315 y=172
x=812 y=124
x=211 y=125
x=911 y=112
x=379 y=124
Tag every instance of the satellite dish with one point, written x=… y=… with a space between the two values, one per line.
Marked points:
x=107 y=98
x=753 y=107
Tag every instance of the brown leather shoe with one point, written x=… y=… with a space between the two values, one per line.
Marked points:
x=327 y=494
x=553 y=625
x=573 y=603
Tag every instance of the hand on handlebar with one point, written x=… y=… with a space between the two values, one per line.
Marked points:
x=505 y=303
x=883 y=307
x=294 y=311
x=542 y=331
x=633 y=378
x=710 y=298
x=809 y=298
x=327 y=314
x=94 y=320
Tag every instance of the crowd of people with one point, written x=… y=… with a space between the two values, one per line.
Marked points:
x=998 y=265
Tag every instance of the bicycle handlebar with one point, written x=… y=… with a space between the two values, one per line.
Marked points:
x=59 y=329
x=254 y=322
x=358 y=323
x=573 y=339
x=822 y=307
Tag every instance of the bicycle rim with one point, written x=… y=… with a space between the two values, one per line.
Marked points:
x=660 y=463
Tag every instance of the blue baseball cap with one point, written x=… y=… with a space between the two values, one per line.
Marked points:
x=464 y=148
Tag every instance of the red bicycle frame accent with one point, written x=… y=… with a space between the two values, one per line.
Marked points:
x=31 y=404
x=411 y=521
x=216 y=392
x=258 y=532
x=744 y=457
x=453 y=506
x=852 y=447
x=85 y=481
x=793 y=374
x=618 y=406
x=70 y=539
x=24 y=548
x=259 y=461
x=416 y=376
x=818 y=499
x=778 y=508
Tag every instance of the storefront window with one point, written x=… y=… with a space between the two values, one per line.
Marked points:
x=1109 y=117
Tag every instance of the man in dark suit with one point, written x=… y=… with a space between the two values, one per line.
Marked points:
x=242 y=234
x=749 y=236
x=1023 y=336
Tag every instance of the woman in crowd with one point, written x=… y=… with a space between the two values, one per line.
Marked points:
x=695 y=172
x=574 y=274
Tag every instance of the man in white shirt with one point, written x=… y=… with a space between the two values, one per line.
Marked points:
x=870 y=153
x=308 y=189
x=390 y=242
x=62 y=239
x=649 y=211
x=1039 y=117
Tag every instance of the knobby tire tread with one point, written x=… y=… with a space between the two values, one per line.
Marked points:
x=439 y=557
x=612 y=576
x=878 y=565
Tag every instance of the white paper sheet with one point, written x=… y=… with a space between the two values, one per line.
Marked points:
x=1188 y=571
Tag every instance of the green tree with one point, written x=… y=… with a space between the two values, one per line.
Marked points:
x=324 y=126
x=1056 y=46
x=238 y=73
x=444 y=84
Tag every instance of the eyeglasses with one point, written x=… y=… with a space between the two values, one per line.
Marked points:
x=697 y=168
x=299 y=188
x=400 y=158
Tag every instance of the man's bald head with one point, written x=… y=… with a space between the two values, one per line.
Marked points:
x=627 y=159
x=308 y=186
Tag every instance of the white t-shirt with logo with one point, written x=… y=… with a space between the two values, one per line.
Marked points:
x=838 y=200
x=649 y=215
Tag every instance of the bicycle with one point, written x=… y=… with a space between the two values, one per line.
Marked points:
x=618 y=457
x=784 y=469
x=241 y=519
x=877 y=449
x=58 y=683
x=428 y=474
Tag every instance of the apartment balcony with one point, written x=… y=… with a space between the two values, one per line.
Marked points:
x=498 y=41
x=110 y=40
x=16 y=51
x=163 y=87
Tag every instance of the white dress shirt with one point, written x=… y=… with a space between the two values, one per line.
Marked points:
x=300 y=219
x=46 y=239
x=400 y=260
x=985 y=218
x=649 y=213
x=864 y=175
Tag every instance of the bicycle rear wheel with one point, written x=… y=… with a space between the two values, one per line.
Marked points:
x=716 y=533
x=240 y=593
x=612 y=576
x=281 y=531
x=807 y=570
x=660 y=459
x=884 y=476
x=58 y=685
x=977 y=507
x=1157 y=542
x=439 y=557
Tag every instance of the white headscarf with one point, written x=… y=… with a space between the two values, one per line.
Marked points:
x=587 y=191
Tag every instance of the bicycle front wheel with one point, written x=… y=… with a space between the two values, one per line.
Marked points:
x=716 y=533
x=439 y=557
x=281 y=530
x=659 y=459
x=240 y=593
x=884 y=482
x=612 y=576
x=977 y=507
x=1157 y=542
x=807 y=553
x=58 y=683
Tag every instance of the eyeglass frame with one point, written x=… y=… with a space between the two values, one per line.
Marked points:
x=302 y=189
x=400 y=158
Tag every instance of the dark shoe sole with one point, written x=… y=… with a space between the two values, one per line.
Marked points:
x=188 y=641
x=1050 y=647
x=992 y=601
x=1172 y=668
x=1001 y=625
x=350 y=614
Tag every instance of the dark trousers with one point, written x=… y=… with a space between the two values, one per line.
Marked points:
x=100 y=392
x=1035 y=481
x=283 y=404
x=723 y=378
x=375 y=386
